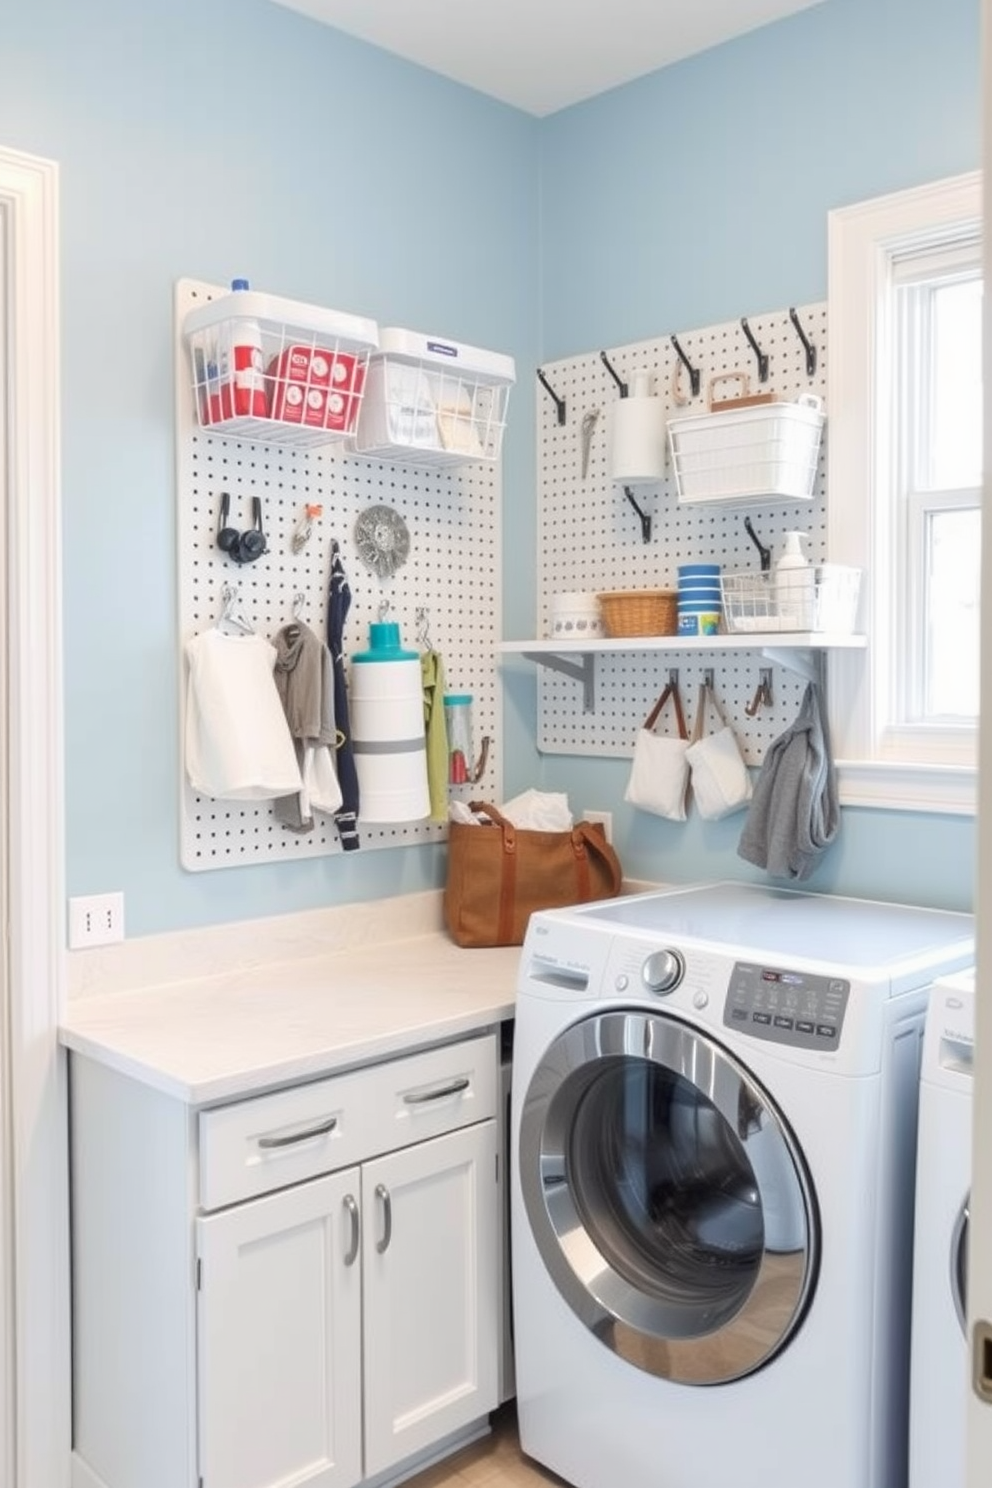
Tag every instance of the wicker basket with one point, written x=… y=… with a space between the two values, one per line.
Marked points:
x=640 y=612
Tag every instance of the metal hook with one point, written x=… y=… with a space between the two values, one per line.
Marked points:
x=423 y=631
x=615 y=375
x=808 y=346
x=708 y=678
x=694 y=375
x=480 y=767
x=645 y=519
x=558 y=402
x=762 y=357
x=299 y=600
x=763 y=693
x=765 y=553
x=384 y=608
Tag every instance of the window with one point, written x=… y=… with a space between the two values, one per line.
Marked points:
x=905 y=431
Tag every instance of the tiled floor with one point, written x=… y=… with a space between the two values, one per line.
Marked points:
x=494 y=1462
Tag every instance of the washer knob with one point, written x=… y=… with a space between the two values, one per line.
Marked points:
x=662 y=972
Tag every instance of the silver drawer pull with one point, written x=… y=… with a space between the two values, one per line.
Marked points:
x=352 y=1209
x=303 y=1136
x=454 y=1088
x=382 y=1194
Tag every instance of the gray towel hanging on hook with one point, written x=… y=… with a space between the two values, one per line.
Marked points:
x=794 y=813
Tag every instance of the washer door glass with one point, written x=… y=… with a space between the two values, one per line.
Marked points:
x=667 y=1197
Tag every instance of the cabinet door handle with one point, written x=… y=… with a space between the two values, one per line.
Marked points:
x=303 y=1136
x=382 y=1193
x=454 y=1088
x=351 y=1255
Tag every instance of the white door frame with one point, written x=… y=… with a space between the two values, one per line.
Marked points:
x=979 y=1414
x=37 y=1312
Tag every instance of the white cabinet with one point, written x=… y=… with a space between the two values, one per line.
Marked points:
x=298 y=1288
x=430 y=1255
x=278 y=1332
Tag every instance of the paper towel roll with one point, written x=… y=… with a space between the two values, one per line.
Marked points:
x=637 y=439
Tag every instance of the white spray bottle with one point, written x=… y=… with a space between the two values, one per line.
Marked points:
x=794 y=580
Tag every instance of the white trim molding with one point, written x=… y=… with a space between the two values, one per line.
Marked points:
x=890 y=785
x=34 y=835
x=860 y=240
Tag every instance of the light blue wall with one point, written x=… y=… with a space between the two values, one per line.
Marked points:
x=700 y=194
x=206 y=138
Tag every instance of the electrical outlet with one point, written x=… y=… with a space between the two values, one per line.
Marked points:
x=604 y=819
x=96 y=919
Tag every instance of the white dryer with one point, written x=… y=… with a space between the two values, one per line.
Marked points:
x=714 y=1117
x=940 y=1359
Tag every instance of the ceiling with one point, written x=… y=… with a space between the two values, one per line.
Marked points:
x=542 y=55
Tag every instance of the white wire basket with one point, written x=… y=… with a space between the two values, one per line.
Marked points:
x=433 y=402
x=748 y=454
x=827 y=602
x=307 y=376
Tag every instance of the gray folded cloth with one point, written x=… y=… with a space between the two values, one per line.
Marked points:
x=794 y=813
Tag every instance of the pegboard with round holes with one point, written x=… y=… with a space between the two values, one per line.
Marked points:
x=590 y=539
x=446 y=595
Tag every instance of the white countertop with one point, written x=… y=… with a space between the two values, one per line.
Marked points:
x=207 y=1038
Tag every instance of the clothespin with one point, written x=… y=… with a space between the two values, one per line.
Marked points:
x=304 y=527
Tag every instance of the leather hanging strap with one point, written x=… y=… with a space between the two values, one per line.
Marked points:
x=671 y=691
x=706 y=695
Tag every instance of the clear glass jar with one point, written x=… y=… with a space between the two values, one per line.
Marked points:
x=458 y=723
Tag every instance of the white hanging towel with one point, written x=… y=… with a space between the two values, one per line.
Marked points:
x=238 y=745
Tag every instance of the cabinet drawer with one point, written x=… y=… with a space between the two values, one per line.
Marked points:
x=252 y=1147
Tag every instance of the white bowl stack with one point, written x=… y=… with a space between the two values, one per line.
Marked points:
x=576 y=617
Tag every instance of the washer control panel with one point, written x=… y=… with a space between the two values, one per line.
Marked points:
x=786 y=1007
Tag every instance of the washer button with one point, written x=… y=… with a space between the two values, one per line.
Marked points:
x=700 y=999
x=622 y=982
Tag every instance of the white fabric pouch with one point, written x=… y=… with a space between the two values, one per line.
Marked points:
x=659 y=776
x=721 y=783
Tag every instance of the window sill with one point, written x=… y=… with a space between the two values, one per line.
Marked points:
x=949 y=790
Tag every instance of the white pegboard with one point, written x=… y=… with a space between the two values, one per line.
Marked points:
x=589 y=536
x=453 y=572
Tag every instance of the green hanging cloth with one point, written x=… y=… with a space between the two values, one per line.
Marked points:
x=432 y=675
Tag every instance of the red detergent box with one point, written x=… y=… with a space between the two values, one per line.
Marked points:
x=310 y=385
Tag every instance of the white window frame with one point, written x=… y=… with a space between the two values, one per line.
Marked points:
x=861 y=240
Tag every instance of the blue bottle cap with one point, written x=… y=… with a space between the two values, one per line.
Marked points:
x=457 y=699
x=384 y=644
x=239 y=284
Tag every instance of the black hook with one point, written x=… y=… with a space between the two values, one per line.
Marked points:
x=762 y=358
x=692 y=371
x=558 y=402
x=763 y=693
x=808 y=346
x=616 y=378
x=645 y=519
x=766 y=553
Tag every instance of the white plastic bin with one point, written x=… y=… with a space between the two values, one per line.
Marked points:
x=748 y=454
x=315 y=364
x=430 y=401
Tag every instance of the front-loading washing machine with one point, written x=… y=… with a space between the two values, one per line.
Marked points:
x=714 y=1122
x=940 y=1367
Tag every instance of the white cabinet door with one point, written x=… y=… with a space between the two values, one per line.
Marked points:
x=279 y=1339
x=430 y=1257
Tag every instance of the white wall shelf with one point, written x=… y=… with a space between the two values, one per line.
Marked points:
x=797 y=650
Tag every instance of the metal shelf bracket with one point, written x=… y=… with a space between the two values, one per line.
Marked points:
x=583 y=670
x=807 y=661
